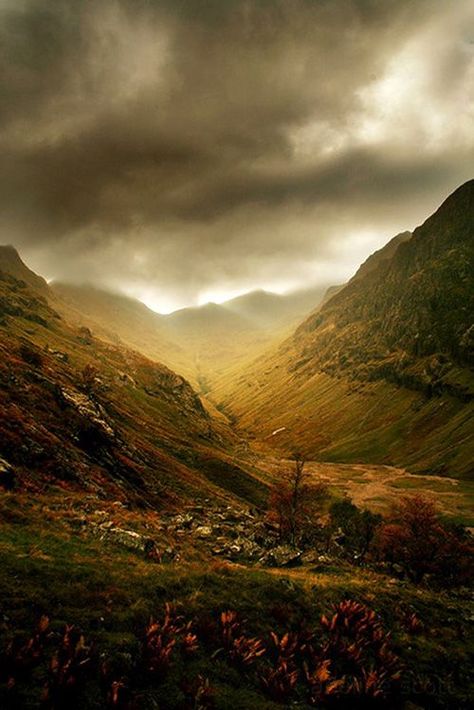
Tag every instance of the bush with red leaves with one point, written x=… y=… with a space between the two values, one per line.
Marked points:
x=417 y=539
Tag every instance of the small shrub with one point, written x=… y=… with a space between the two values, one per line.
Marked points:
x=355 y=659
x=358 y=527
x=161 y=639
x=279 y=680
x=199 y=694
x=69 y=671
x=417 y=539
x=241 y=650
x=31 y=355
x=22 y=656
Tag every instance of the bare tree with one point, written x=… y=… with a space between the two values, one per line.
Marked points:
x=294 y=501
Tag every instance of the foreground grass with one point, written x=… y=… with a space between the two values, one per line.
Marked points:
x=48 y=567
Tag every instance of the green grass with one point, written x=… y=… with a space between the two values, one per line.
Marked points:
x=50 y=567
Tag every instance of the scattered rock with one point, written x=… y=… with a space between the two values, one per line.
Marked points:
x=183 y=521
x=124 y=378
x=64 y=357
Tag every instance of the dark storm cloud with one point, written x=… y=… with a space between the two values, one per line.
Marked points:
x=190 y=147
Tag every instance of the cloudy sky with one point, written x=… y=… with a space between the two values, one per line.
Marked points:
x=188 y=150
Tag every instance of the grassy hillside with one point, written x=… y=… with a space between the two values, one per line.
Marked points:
x=382 y=372
x=50 y=567
x=122 y=320
x=83 y=412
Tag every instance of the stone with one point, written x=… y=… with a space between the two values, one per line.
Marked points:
x=184 y=521
x=125 y=538
x=7 y=475
x=282 y=556
x=204 y=531
x=91 y=411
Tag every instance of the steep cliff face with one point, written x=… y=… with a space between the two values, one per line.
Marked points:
x=384 y=367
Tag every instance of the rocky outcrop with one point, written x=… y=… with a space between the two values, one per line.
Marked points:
x=7 y=475
x=168 y=385
x=89 y=410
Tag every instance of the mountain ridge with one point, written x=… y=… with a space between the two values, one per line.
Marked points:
x=83 y=413
x=401 y=333
x=12 y=263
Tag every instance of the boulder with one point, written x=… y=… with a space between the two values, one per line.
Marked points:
x=125 y=538
x=91 y=411
x=183 y=521
x=282 y=556
x=7 y=475
x=204 y=531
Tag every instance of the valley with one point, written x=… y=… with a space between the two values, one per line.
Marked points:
x=379 y=487
x=236 y=355
x=147 y=471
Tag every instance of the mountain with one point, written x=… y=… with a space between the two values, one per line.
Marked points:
x=383 y=370
x=121 y=319
x=82 y=413
x=210 y=319
x=11 y=263
x=274 y=311
x=203 y=342
x=381 y=255
x=223 y=336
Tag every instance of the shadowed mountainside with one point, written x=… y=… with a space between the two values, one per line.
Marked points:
x=78 y=411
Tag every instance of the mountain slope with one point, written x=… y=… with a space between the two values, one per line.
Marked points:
x=121 y=319
x=411 y=315
x=275 y=311
x=381 y=255
x=203 y=342
x=383 y=370
x=76 y=411
x=11 y=263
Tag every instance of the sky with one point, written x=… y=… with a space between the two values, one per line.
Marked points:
x=182 y=151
